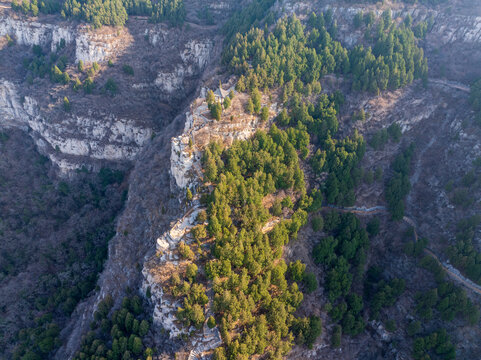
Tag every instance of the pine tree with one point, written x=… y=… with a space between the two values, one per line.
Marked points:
x=137 y=346
x=216 y=111
x=188 y=195
x=210 y=97
x=66 y=104
x=211 y=322
x=227 y=102
x=256 y=100
x=264 y=113
x=143 y=328
x=250 y=106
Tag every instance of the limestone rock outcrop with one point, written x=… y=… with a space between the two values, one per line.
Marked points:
x=90 y=45
x=74 y=140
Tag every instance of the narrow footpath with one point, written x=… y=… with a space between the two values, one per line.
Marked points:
x=451 y=271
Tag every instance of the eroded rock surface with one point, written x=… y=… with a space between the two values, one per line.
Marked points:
x=199 y=130
x=90 y=45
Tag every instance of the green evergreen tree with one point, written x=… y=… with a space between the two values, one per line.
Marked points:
x=66 y=104
x=256 y=100
x=264 y=113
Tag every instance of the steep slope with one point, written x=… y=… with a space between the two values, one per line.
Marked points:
x=451 y=30
x=96 y=129
x=100 y=130
x=186 y=151
x=54 y=235
x=157 y=71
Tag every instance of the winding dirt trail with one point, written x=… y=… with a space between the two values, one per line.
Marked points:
x=451 y=84
x=452 y=272
x=455 y=274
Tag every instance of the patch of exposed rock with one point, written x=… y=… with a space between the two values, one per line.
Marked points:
x=194 y=59
x=90 y=45
x=73 y=140
x=97 y=130
x=186 y=171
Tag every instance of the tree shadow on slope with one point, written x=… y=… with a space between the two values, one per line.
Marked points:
x=54 y=242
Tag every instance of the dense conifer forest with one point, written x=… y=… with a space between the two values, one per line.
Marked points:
x=106 y=12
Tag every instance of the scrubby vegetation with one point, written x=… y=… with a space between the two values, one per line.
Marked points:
x=381 y=137
x=436 y=345
x=242 y=20
x=399 y=186
x=172 y=11
x=42 y=64
x=255 y=292
x=54 y=65
x=445 y=302
x=343 y=256
x=247 y=278
x=463 y=254
x=306 y=330
x=338 y=158
x=128 y=70
x=415 y=247
x=111 y=87
x=294 y=58
x=449 y=300
x=380 y=292
x=118 y=334
x=459 y=189
x=66 y=274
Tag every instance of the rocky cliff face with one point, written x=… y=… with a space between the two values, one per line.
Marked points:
x=194 y=59
x=35 y=33
x=199 y=131
x=168 y=64
x=11 y=109
x=148 y=211
x=448 y=26
x=101 y=129
x=133 y=127
x=138 y=123
x=446 y=29
x=90 y=45
x=186 y=171
x=73 y=140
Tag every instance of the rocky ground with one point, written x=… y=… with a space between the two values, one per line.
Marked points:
x=99 y=130
x=133 y=129
x=200 y=130
x=440 y=123
x=167 y=64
